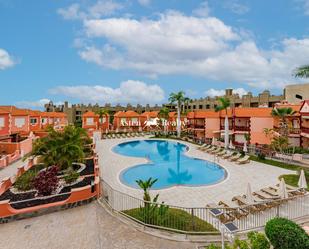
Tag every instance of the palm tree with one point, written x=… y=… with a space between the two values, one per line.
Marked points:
x=225 y=103
x=302 y=72
x=282 y=114
x=163 y=114
x=178 y=98
x=101 y=112
x=62 y=148
x=145 y=186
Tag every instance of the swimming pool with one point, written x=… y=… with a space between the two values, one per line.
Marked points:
x=167 y=163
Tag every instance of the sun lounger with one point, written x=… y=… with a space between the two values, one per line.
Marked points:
x=215 y=151
x=228 y=155
x=243 y=160
x=211 y=149
x=234 y=209
x=221 y=213
x=252 y=207
x=204 y=146
x=221 y=153
x=207 y=148
x=265 y=196
x=113 y=136
x=236 y=157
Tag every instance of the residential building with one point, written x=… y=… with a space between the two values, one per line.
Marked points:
x=93 y=122
x=75 y=112
x=292 y=94
x=127 y=121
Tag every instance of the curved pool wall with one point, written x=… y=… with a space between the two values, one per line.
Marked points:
x=167 y=163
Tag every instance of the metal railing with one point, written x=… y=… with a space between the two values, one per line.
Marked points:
x=201 y=220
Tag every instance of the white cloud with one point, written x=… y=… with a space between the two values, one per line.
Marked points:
x=100 y=9
x=6 y=60
x=188 y=45
x=303 y=5
x=214 y=93
x=131 y=91
x=35 y=104
x=203 y=10
x=144 y=2
x=236 y=7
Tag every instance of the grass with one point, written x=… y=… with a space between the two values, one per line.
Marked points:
x=276 y=163
x=175 y=219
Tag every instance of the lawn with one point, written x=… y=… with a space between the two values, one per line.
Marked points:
x=175 y=219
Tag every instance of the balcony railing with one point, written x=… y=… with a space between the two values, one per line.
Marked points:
x=241 y=128
x=305 y=130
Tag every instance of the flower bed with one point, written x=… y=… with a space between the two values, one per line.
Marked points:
x=14 y=202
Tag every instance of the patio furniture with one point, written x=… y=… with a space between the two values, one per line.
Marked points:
x=220 y=213
x=221 y=153
x=235 y=158
x=251 y=206
x=234 y=209
x=215 y=151
x=113 y=136
x=243 y=160
x=211 y=149
x=228 y=155
x=207 y=148
x=204 y=146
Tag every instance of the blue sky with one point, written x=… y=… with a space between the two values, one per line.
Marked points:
x=139 y=51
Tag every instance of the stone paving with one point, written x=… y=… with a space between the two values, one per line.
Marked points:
x=11 y=169
x=86 y=227
x=258 y=174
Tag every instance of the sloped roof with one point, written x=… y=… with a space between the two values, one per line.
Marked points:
x=127 y=114
x=152 y=114
x=90 y=114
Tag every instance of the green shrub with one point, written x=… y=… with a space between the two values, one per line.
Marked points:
x=258 y=241
x=240 y=244
x=285 y=234
x=25 y=181
x=213 y=246
x=261 y=156
x=71 y=176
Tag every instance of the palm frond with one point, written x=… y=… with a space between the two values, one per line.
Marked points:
x=302 y=72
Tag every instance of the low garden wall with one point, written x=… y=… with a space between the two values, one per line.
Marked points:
x=12 y=210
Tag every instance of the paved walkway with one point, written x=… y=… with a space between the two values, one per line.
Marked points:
x=258 y=174
x=11 y=169
x=86 y=227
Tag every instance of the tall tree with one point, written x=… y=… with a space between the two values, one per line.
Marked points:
x=302 y=72
x=178 y=98
x=224 y=105
x=163 y=114
x=282 y=114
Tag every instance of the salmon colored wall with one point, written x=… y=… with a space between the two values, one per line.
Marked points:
x=24 y=128
x=5 y=129
x=257 y=127
x=37 y=126
x=212 y=124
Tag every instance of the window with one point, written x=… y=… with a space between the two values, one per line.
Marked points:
x=207 y=106
x=43 y=120
x=103 y=120
x=89 y=121
x=20 y=122
x=200 y=107
x=33 y=121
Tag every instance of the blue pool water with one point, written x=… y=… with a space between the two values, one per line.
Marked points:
x=168 y=164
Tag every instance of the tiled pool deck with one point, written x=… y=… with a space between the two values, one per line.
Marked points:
x=258 y=174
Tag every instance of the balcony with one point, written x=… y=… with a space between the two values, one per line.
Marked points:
x=305 y=130
x=241 y=128
x=294 y=131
